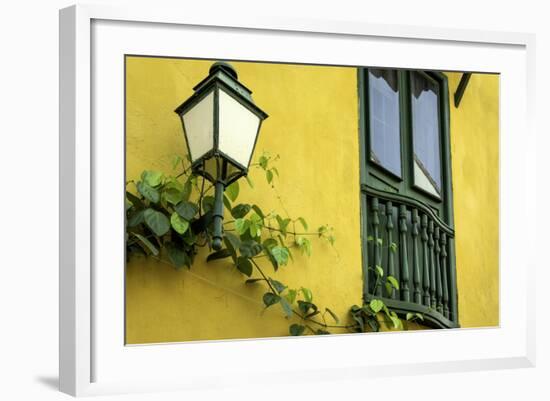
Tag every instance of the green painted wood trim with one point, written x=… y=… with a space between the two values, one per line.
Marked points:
x=404 y=262
x=363 y=172
x=449 y=202
x=412 y=202
x=432 y=318
x=415 y=199
x=461 y=88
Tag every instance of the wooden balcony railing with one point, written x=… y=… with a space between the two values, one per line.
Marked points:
x=413 y=244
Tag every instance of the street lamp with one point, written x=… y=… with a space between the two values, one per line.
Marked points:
x=221 y=125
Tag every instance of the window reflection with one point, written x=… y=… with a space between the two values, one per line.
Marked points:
x=385 y=145
x=426 y=136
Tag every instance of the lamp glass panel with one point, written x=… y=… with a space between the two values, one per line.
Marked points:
x=198 y=123
x=238 y=128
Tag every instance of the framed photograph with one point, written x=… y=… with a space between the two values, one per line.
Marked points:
x=351 y=196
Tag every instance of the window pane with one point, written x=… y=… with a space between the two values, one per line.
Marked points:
x=385 y=143
x=426 y=136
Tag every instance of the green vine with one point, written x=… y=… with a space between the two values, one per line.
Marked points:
x=168 y=217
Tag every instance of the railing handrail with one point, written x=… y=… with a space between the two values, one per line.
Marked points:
x=410 y=202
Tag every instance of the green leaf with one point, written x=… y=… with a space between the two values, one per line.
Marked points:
x=389 y=289
x=321 y=332
x=156 y=221
x=175 y=161
x=253 y=280
x=373 y=324
x=269 y=243
x=279 y=287
x=397 y=324
x=135 y=200
x=271 y=259
x=287 y=309
x=233 y=241
x=283 y=223
x=296 y=329
x=148 y=192
x=250 y=183
x=135 y=219
x=333 y=315
x=250 y=248
x=274 y=169
x=208 y=203
x=263 y=162
x=280 y=254
x=244 y=265
x=148 y=244
x=172 y=195
x=232 y=191
x=227 y=203
x=380 y=241
x=258 y=211
x=177 y=256
x=186 y=210
x=269 y=176
x=379 y=271
x=187 y=188
x=393 y=281
x=291 y=295
x=221 y=254
x=376 y=305
x=393 y=247
x=308 y=296
x=370 y=238
x=409 y=316
x=304 y=244
x=240 y=210
x=255 y=225
x=152 y=178
x=270 y=299
x=241 y=226
x=304 y=306
x=179 y=224
x=304 y=224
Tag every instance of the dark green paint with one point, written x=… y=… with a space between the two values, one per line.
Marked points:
x=461 y=88
x=425 y=223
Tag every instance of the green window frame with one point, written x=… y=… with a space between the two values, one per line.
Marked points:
x=407 y=225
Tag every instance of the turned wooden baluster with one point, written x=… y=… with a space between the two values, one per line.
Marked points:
x=416 y=263
x=445 y=283
x=431 y=263
x=391 y=246
x=375 y=207
x=439 y=290
x=425 y=261
x=404 y=288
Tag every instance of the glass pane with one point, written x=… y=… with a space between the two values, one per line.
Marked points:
x=426 y=135
x=238 y=128
x=198 y=123
x=385 y=145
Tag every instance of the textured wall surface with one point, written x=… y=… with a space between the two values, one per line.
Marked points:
x=313 y=126
x=475 y=164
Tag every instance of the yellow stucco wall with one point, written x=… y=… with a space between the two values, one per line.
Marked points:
x=475 y=164
x=313 y=125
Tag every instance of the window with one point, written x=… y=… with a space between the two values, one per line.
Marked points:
x=406 y=191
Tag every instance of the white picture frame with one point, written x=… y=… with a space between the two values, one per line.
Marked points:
x=93 y=358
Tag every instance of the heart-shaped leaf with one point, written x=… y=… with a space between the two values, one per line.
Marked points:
x=156 y=221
